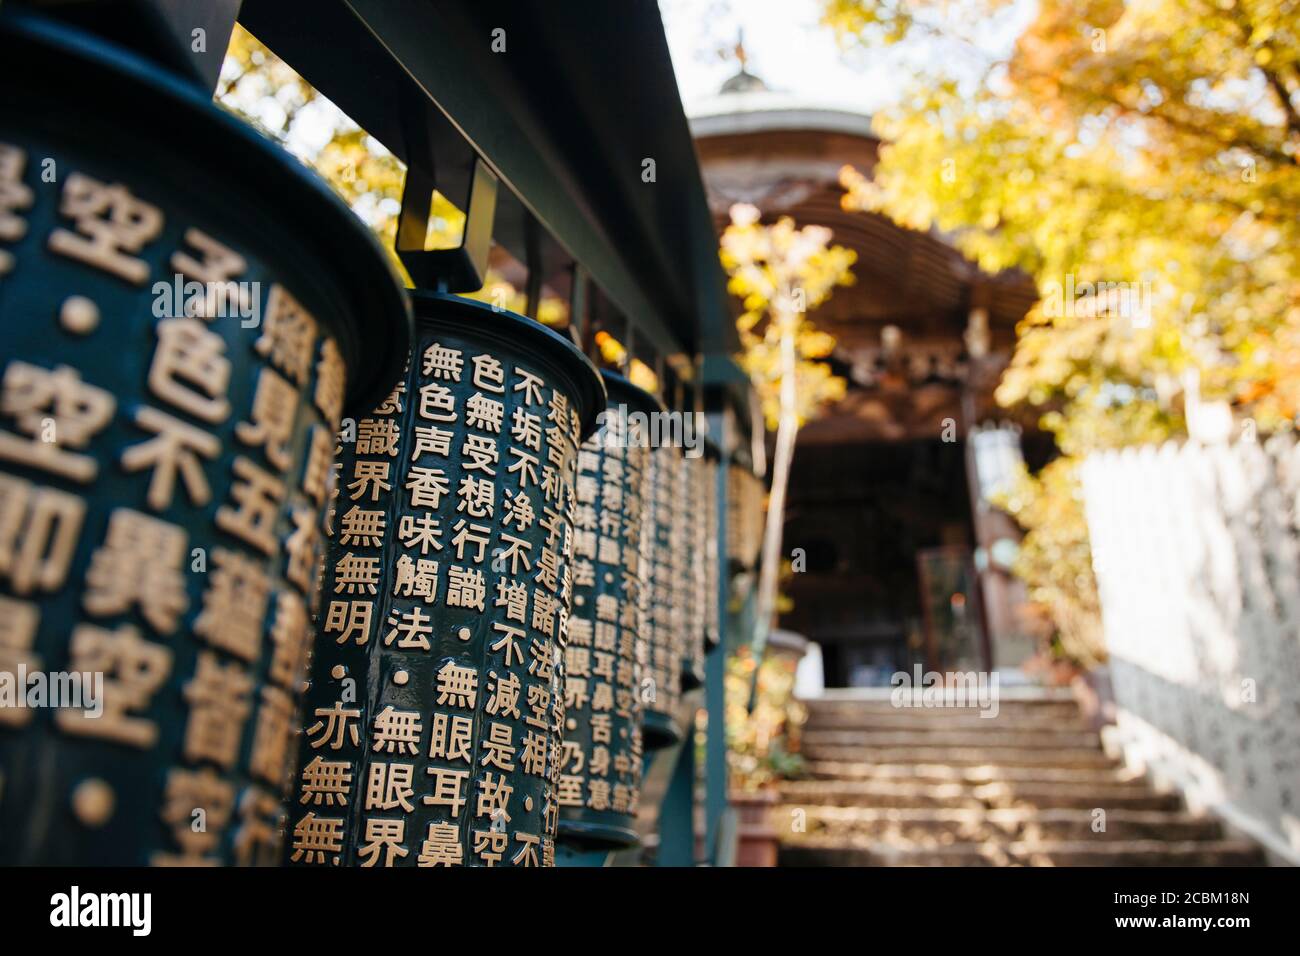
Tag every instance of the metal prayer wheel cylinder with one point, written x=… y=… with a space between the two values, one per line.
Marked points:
x=663 y=631
x=600 y=773
x=185 y=315
x=744 y=516
x=707 y=486
x=433 y=723
x=688 y=603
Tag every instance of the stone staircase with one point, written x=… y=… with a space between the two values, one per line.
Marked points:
x=1032 y=786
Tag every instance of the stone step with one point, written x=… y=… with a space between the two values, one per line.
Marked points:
x=954 y=720
x=1037 y=709
x=1020 y=739
x=961 y=756
x=1074 y=796
x=878 y=793
x=940 y=826
x=1048 y=853
x=896 y=793
x=981 y=773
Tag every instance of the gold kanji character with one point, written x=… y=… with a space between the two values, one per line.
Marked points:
x=411 y=629
x=397 y=731
x=134 y=670
x=369 y=475
x=326 y=782
x=349 y=619
x=489 y=374
x=275 y=405
x=57 y=411
x=427 y=486
x=503 y=700
x=416 y=578
x=18 y=623
x=139 y=564
x=476 y=497
x=389 y=786
x=466 y=587
x=382 y=836
x=451 y=737
x=234 y=605
x=377 y=436
x=527 y=855
x=187 y=791
x=484 y=413
x=509 y=641
x=432 y=440
x=442 y=362
x=318 y=472
x=356 y=574
x=441 y=847
x=175 y=449
x=304 y=551
x=333 y=724
x=423 y=529
x=530 y=385
x=38 y=534
x=457 y=685
x=437 y=403
x=314 y=837
x=110 y=222
x=291 y=637
x=331 y=383
x=274 y=731
x=190 y=369
x=498 y=747
x=362 y=528
x=494 y=792
x=219 y=705
x=288 y=336
x=448 y=789
x=14 y=193
x=216 y=264
x=257 y=496
x=490 y=845
x=261 y=829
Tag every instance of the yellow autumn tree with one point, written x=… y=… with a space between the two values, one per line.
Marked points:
x=1141 y=160
x=781 y=273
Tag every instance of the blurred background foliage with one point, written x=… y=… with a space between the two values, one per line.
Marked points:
x=762 y=743
x=1153 y=142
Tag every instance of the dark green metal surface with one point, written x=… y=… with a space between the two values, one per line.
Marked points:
x=600 y=777
x=664 y=656
x=163 y=473
x=434 y=717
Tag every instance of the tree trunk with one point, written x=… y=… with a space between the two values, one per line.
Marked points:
x=787 y=431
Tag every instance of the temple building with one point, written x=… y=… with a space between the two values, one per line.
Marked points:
x=905 y=563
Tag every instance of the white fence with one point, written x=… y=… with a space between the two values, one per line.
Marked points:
x=1197 y=553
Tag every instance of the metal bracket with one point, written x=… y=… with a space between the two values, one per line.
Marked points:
x=464 y=268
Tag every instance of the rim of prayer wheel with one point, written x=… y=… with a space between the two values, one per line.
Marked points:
x=162 y=110
x=511 y=330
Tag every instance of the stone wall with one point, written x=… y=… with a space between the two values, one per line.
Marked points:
x=1197 y=553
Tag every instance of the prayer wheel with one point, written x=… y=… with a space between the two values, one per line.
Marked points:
x=688 y=523
x=185 y=316
x=432 y=733
x=707 y=484
x=664 y=644
x=600 y=775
